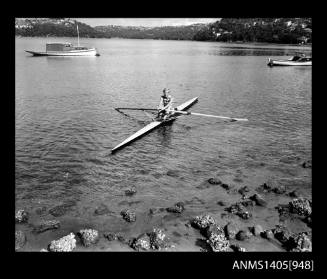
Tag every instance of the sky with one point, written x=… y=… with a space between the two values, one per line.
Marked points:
x=145 y=22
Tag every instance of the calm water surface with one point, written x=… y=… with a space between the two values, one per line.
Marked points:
x=66 y=125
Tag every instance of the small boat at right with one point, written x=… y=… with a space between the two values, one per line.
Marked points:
x=297 y=60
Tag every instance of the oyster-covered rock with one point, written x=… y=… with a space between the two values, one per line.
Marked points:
x=157 y=239
x=301 y=206
x=299 y=243
x=21 y=216
x=141 y=243
x=218 y=242
x=213 y=229
x=88 y=236
x=202 y=221
x=64 y=244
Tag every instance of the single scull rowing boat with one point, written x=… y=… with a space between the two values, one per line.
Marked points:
x=178 y=111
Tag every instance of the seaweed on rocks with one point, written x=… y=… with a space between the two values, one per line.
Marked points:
x=214 y=181
x=283 y=210
x=308 y=221
x=244 y=190
x=258 y=199
x=130 y=192
x=268 y=234
x=226 y=186
x=247 y=202
x=64 y=244
x=295 y=194
x=237 y=248
x=282 y=234
x=110 y=236
x=271 y=186
x=60 y=210
x=156 y=210
x=177 y=208
x=88 y=236
x=221 y=203
x=21 y=216
x=102 y=209
x=115 y=236
x=307 y=164
x=243 y=235
x=280 y=189
x=128 y=215
x=47 y=225
x=40 y=210
x=240 y=210
x=20 y=240
x=257 y=230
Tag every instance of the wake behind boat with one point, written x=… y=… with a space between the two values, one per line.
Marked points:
x=297 y=60
x=174 y=114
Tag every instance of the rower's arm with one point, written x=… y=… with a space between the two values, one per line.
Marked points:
x=160 y=107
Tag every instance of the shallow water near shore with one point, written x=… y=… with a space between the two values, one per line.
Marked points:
x=66 y=127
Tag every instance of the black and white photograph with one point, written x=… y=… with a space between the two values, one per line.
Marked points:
x=163 y=134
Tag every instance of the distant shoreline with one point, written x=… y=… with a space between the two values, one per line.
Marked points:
x=232 y=42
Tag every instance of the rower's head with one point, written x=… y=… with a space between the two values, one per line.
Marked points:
x=166 y=91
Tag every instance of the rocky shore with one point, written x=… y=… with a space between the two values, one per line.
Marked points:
x=271 y=216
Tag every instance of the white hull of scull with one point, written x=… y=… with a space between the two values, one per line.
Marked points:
x=152 y=126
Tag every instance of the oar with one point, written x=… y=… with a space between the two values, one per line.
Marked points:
x=209 y=115
x=149 y=109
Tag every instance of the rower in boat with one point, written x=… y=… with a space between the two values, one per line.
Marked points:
x=165 y=106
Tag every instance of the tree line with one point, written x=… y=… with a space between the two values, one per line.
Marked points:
x=270 y=30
